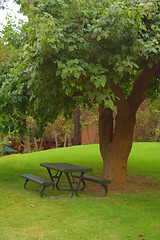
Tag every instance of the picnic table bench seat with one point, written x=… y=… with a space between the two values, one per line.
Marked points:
x=44 y=182
x=103 y=182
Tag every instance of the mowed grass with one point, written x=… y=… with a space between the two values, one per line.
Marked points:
x=119 y=216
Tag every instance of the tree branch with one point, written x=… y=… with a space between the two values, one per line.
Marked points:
x=138 y=93
x=121 y=102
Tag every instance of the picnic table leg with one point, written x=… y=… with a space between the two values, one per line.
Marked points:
x=69 y=181
x=74 y=181
x=25 y=183
x=57 y=182
x=52 y=177
x=41 y=191
x=70 y=184
x=78 y=184
x=59 y=177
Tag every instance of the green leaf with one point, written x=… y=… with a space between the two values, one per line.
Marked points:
x=77 y=74
x=99 y=38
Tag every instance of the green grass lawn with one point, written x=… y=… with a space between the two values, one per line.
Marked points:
x=119 y=216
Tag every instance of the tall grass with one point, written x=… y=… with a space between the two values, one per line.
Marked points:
x=24 y=215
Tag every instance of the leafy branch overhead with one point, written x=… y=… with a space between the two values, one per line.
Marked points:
x=83 y=46
x=71 y=49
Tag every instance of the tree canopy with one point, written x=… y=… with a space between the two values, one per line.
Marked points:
x=81 y=52
x=75 y=50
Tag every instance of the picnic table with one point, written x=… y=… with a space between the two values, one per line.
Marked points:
x=68 y=170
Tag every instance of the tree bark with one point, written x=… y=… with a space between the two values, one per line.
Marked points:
x=56 y=140
x=157 y=132
x=116 y=152
x=77 y=127
x=41 y=144
x=65 y=140
x=27 y=148
x=36 y=148
x=35 y=144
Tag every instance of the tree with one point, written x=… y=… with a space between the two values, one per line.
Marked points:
x=77 y=127
x=85 y=52
x=61 y=130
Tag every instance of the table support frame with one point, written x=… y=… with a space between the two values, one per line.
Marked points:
x=58 y=175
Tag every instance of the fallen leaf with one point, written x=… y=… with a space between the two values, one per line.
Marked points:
x=117 y=205
x=140 y=235
x=52 y=197
x=6 y=197
x=32 y=206
x=128 y=235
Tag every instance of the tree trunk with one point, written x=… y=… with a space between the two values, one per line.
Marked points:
x=27 y=148
x=56 y=140
x=65 y=140
x=41 y=144
x=35 y=144
x=77 y=127
x=157 y=132
x=117 y=150
x=36 y=148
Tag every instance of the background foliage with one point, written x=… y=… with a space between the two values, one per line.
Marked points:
x=73 y=48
